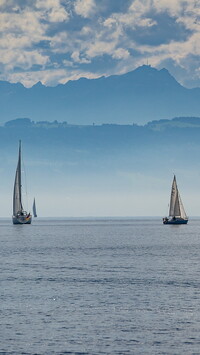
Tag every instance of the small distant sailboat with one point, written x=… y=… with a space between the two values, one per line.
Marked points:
x=19 y=215
x=34 y=208
x=177 y=213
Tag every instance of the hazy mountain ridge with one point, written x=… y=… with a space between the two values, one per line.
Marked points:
x=72 y=165
x=139 y=96
x=124 y=139
x=178 y=122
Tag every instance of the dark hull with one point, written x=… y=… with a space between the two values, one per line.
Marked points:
x=175 y=221
x=21 y=220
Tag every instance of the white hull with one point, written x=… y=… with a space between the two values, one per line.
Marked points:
x=21 y=220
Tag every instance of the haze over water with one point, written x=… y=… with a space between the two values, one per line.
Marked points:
x=99 y=286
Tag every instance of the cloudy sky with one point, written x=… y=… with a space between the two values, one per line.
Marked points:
x=54 y=41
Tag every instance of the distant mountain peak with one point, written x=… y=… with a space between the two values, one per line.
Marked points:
x=38 y=85
x=146 y=68
x=164 y=70
x=9 y=84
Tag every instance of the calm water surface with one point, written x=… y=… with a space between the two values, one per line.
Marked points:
x=100 y=287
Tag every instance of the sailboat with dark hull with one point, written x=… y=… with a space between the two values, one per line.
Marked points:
x=177 y=213
x=20 y=216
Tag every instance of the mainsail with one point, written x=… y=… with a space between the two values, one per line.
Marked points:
x=34 y=209
x=176 y=207
x=17 y=198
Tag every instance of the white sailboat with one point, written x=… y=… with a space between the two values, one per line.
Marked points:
x=177 y=213
x=34 y=208
x=19 y=215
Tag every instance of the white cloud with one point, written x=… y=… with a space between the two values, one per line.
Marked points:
x=140 y=10
x=22 y=59
x=99 y=48
x=59 y=42
x=26 y=23
x=58 y=15
x=76 y=58
x=174 y=50
x=85 y=8
x=47 y=4
x=53 y=11
x=139 y=7
x=121 y=53
x=68 y=63
x=86 y=30
x=19 y=33
x=174 y=7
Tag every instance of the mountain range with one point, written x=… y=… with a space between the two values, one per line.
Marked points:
x=139 y=96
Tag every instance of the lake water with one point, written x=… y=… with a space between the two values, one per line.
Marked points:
x=118 y=286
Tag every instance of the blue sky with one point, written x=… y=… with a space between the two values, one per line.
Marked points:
x=54 y=41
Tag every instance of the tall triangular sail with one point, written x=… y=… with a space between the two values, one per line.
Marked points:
x=182 y=210
x=176 y=207
x=17 y=198
x=34 y=209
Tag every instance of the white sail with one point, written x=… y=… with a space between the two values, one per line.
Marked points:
x=34 y=209
x=182 y=210
x=173 y=197
x=17 y=199
x=176 y=206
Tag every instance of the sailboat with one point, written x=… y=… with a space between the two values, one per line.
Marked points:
x=177 y=213
x=34 y=208
x=19 y=215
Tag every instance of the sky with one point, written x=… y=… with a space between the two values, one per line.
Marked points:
x=54 y=41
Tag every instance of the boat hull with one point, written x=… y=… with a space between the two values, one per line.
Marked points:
x=175 y=221
x=21 y=220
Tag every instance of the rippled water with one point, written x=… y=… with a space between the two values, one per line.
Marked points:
x=100 y=287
